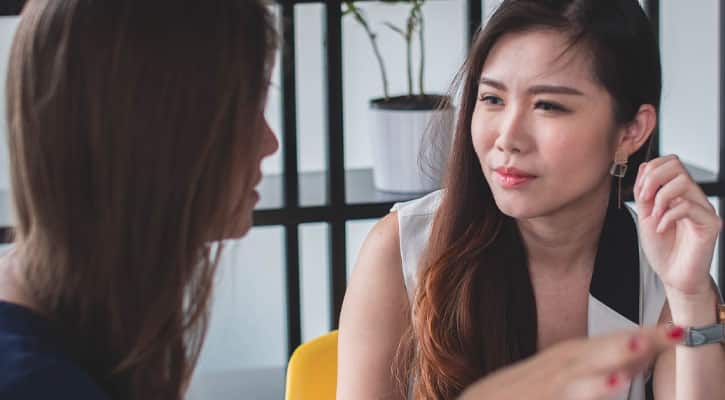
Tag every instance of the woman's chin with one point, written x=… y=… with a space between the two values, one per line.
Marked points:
x=239 y=230
x=516 y=210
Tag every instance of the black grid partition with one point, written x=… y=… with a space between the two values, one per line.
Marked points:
x=343 y=201
x=338 y=208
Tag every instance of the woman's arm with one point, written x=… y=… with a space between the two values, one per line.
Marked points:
x=691 y=372
x=374 y=315
x=678 y=229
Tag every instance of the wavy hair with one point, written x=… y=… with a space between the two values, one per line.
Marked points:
x=474 y=309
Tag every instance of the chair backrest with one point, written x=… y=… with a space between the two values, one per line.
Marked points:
x=312 y=370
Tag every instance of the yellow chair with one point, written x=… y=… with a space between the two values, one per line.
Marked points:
x=312 y=370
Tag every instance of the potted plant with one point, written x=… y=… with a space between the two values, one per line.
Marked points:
x=404 y=160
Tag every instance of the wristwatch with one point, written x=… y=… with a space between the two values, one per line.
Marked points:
x=709 y=334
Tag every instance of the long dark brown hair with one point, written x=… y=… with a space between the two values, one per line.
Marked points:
x=132 y=126
x=474 y=309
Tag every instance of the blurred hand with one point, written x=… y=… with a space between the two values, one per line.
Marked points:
x=581 y=369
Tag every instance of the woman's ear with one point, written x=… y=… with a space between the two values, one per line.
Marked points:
x=635 y=133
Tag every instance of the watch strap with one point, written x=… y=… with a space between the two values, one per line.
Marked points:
x=709 y=334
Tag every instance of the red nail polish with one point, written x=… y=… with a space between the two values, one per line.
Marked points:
x=676 y=333
x=612 y=380
x=634 y=344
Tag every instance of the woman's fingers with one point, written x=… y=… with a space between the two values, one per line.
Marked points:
x=660 y=182
x=586 y=369
x=678 y=190
x=596 y=388
x=607 y=363
x=628 y=351
x=656 y=173
x=685 y=209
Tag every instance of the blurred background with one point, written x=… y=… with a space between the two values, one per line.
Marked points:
x=283 y=284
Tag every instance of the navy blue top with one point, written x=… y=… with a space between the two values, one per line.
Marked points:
x=33 y=363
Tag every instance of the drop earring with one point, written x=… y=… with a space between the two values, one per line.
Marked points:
x=619 y=170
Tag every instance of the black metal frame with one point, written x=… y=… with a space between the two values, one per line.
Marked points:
x=11 y=7
x=337 y=211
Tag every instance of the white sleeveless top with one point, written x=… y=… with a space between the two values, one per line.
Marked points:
x=415 y=219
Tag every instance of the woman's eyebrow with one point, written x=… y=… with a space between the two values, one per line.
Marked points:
x=537 y=89
x=493 y=83
x=554 y=89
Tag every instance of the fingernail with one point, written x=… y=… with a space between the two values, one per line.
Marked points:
x=613 y=380
x=635 y=344
x=676 y=333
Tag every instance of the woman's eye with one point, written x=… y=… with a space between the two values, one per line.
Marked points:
x=548 y=106
x=492 y=100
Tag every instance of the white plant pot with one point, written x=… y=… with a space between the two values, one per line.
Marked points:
x=410 y=148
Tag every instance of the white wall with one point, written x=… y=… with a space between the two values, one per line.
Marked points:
x=314 y=280
x=7 y=28
x=689 y=35
x=249 y=325
x=445 y=49
x=690 y=114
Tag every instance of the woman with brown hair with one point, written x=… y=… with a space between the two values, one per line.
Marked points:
x=529 y=243
x=136 y=131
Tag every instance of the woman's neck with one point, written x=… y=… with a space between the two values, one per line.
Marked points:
x=11 y=281
x=566 y=240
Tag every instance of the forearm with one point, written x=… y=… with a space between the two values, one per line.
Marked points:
x=699 y=371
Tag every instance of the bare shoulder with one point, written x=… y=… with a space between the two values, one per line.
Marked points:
x=375 y=313
x=378 y=269
x=382 y=244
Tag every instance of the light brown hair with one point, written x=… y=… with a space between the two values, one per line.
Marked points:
x=131 y=123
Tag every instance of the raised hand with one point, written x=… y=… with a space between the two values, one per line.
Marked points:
x=677 y=225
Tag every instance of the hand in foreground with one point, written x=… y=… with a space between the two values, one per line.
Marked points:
x=581 y=369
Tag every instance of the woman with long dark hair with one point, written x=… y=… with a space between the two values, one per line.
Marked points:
x=529 y=243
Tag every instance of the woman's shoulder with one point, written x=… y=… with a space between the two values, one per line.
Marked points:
x=33 y=365
x=422 y=206
x=414 y=224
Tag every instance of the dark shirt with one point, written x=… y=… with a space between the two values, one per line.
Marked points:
x=33 y=362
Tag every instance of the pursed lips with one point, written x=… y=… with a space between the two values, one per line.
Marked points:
x=510 y=177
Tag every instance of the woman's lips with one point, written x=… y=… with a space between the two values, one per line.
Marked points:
x=509 y=177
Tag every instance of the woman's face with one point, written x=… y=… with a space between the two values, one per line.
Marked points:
x=267 y=146
x=543 y=129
